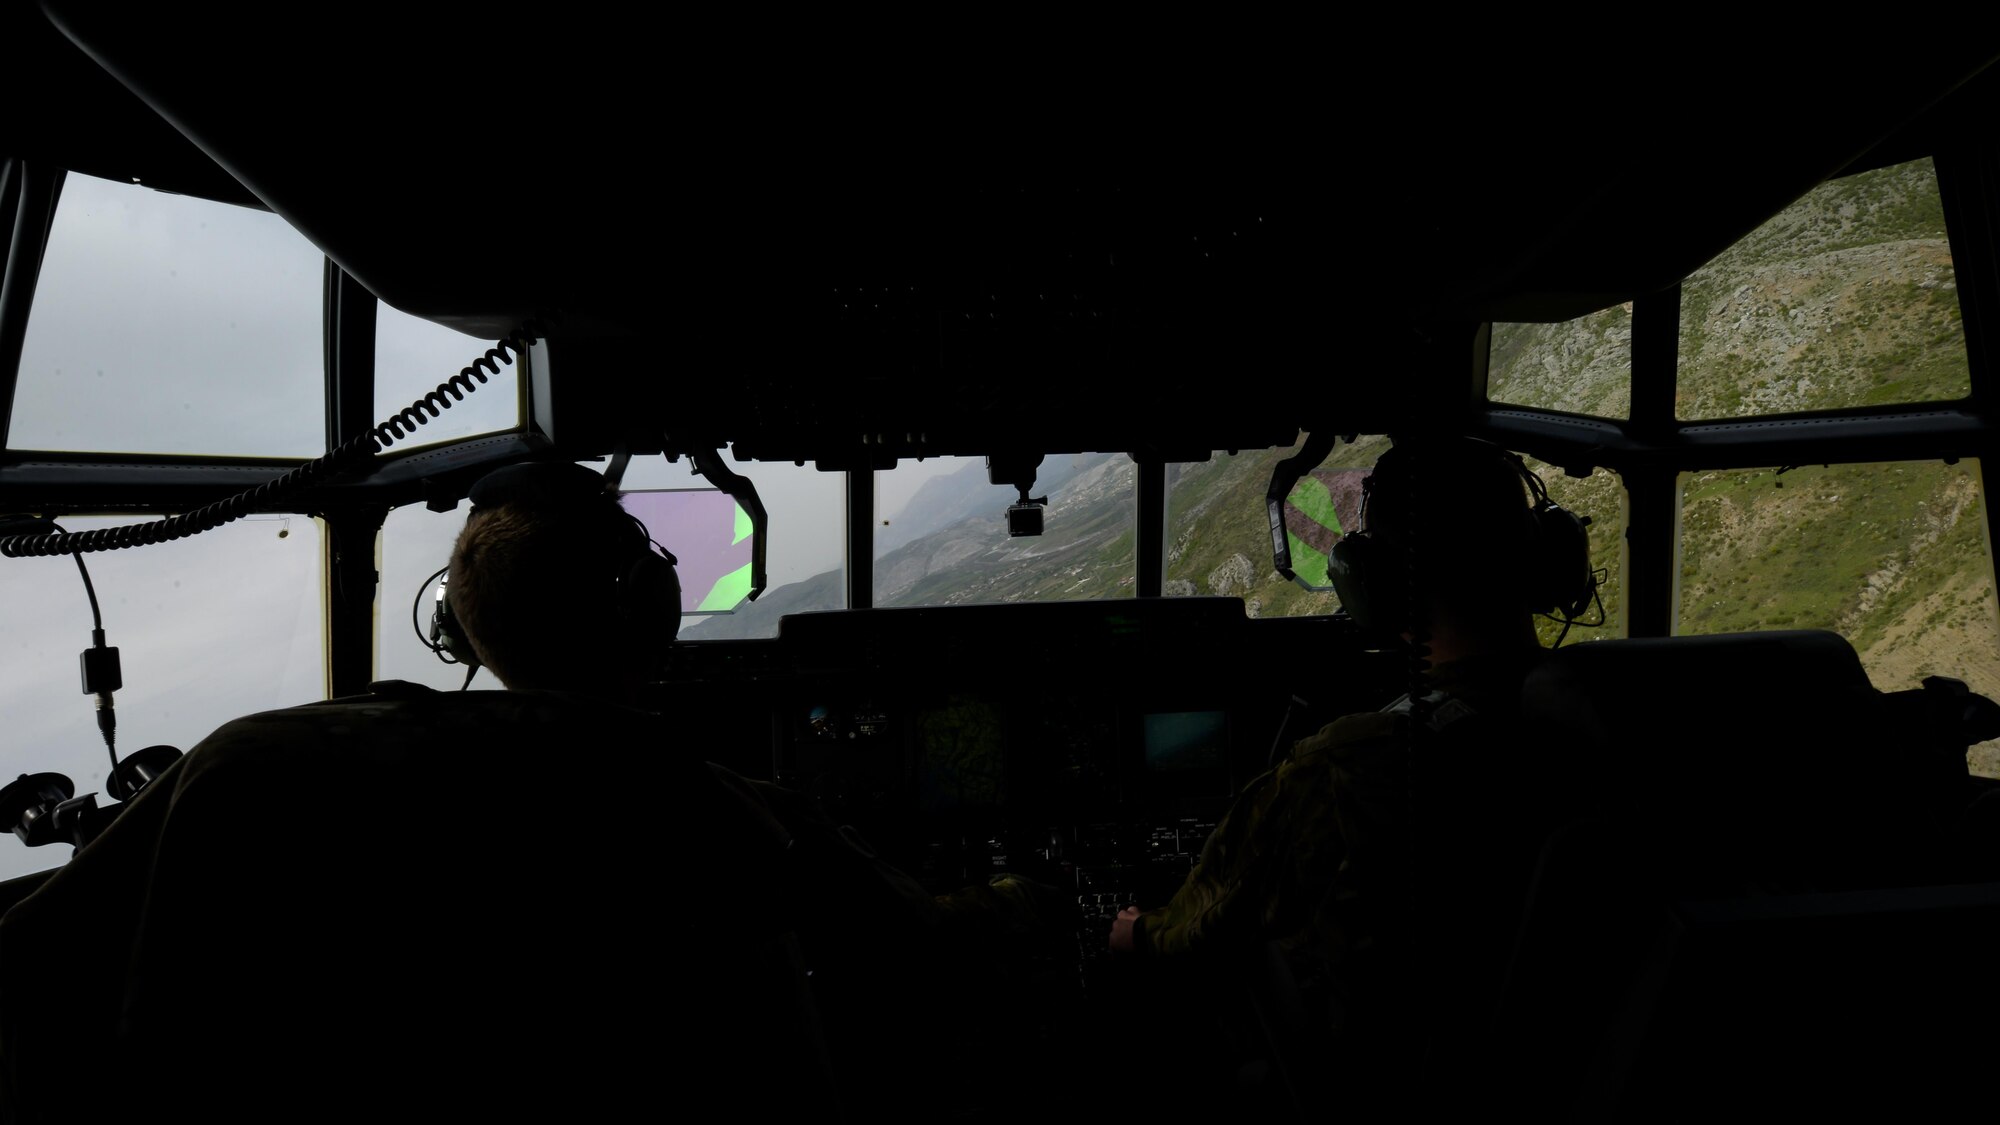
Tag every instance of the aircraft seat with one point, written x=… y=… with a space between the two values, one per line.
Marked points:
x=1760 y=841
x=502 y=905
x=1760 y=756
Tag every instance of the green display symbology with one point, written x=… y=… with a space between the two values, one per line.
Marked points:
x=1311 y=498
x=1312 y=526
x=1309 y=565
x=728 y=591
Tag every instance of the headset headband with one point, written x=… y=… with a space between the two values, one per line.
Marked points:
x=1553 y=553
x=539 y=484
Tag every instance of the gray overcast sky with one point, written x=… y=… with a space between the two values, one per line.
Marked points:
x=893 y=489
x=166 y=324
x=412 y=356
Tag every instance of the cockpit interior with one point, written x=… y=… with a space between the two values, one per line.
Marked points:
x=1000 y=395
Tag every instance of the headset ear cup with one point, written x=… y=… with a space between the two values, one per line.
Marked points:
x=1563 y=583
x=449 y=635
x=650 y=598
x=1356 y=568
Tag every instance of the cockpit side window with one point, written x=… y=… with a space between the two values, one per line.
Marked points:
x=1582 y=366
x=414 y=355
x=1893 y=556
x=167 y=324
x=1847 y=298
x=208 y=628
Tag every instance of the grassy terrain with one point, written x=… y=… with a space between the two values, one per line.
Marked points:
x=1844 y=547
x=1892 y=556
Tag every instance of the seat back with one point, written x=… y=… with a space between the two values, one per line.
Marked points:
x=1763 y=756
x=501 y=905
x=1735 y=783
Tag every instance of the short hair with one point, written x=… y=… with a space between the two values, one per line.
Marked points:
x=534 y=590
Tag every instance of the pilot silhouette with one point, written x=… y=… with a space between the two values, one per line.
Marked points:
x=1452 y=561
x=554 y=586
x=555 y=589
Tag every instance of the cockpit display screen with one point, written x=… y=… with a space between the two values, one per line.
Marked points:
x=1322 y=506
x=1187 y=740
x=710 y=537
x=960 y=758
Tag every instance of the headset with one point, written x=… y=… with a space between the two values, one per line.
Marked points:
x=1552 y=556
x=647 y=600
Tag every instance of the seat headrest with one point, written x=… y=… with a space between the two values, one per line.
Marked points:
x=1661 y=707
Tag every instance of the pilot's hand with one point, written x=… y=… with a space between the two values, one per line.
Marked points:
x=1121 y=929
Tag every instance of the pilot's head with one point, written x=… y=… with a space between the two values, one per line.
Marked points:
x=1451 y=532
x=556 y=587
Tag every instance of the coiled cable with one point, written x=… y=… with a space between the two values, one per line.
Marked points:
x=350 y=454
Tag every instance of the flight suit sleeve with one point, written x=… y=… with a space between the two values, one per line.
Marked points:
x=1277 y=852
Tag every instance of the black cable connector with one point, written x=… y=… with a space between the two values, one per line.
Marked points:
x=101 y=673
x=107 y=724
x=101 y=677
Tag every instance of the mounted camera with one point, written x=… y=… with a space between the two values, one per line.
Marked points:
x=1024 y=516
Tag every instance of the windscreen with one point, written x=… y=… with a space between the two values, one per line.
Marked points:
x=173 y=325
